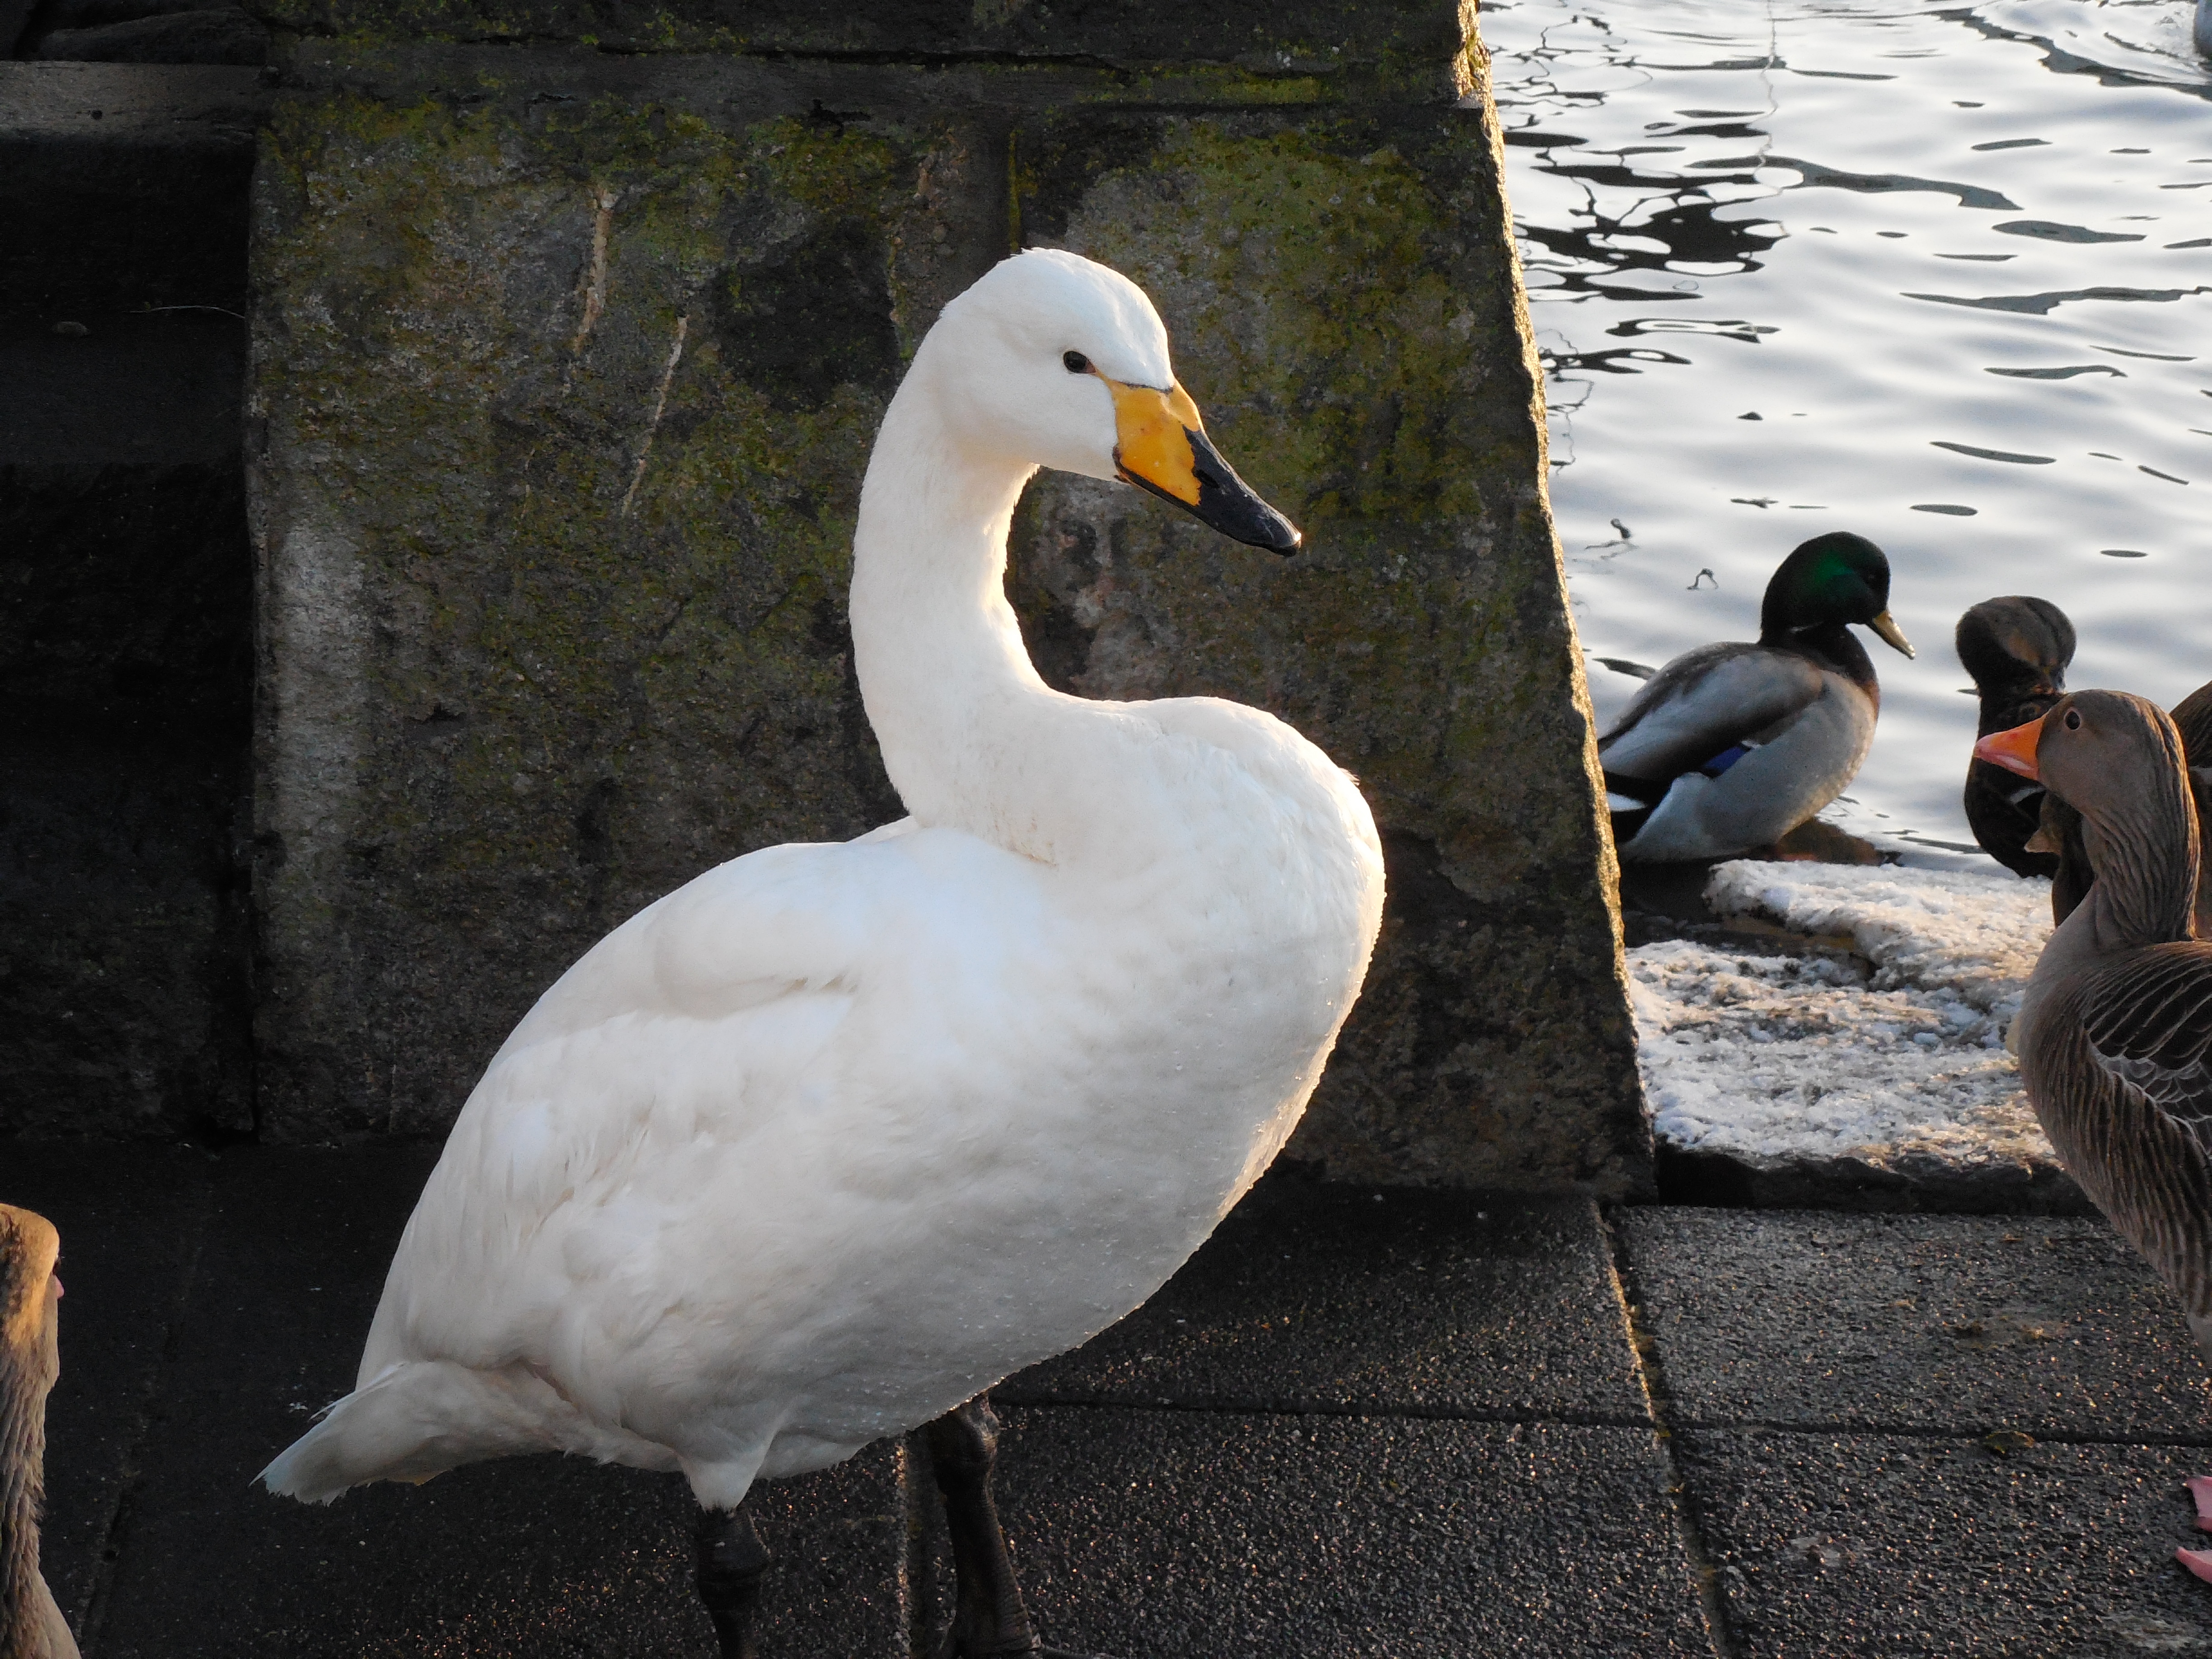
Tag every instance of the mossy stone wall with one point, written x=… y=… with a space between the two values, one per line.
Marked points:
x=565 y=367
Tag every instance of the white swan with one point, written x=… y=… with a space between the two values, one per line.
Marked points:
x=819 y=1146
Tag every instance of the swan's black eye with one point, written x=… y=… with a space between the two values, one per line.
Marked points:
x=1076 y=362
x=2073 y=720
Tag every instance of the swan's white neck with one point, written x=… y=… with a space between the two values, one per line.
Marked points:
x=948 y=685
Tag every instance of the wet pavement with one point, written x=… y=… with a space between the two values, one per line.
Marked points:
x=1359 y=1422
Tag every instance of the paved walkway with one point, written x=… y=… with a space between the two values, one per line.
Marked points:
x=1358 y=1423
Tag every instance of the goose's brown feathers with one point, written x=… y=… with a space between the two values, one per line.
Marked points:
x=2147 y=1022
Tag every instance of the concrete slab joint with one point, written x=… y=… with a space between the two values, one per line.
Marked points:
x=565 y=366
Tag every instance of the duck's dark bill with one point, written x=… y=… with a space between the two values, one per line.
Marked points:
x=1226 y=502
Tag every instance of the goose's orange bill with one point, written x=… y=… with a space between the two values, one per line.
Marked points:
x=2014 y=751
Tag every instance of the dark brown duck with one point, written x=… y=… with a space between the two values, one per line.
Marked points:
x=2017 y=648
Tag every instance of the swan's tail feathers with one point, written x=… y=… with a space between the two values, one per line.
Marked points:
x=419 y=1418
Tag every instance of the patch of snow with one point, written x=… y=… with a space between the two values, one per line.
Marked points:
x=1973 y=934
x=1789 y=1059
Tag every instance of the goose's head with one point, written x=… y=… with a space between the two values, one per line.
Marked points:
x=1053 y=360
x=2017 y=644
x=30 y=1294
x=2116 y=759
x=1831 y=579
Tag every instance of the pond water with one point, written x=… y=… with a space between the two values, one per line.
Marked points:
x=1940 y=275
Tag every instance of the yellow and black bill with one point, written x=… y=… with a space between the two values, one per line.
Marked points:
x=1161 y=446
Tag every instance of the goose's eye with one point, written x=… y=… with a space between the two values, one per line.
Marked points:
x=1076 y=362
x=2073 y=720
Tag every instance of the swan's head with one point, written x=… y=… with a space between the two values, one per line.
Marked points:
x=1053 y=360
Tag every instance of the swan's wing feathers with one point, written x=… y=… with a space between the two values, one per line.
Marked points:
x=1706 y=701
x=675 y=1042
x=784 y=919
x=2149 y=1023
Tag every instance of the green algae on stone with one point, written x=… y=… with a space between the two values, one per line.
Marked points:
x=515 y=374
x=567 y=370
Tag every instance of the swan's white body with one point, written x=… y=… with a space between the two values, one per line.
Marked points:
x=835 y=1136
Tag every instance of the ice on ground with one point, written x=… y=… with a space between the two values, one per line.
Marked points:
x=1973 y=934
x=1889 y=1052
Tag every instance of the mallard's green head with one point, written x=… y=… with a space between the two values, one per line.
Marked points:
x=1830 y=581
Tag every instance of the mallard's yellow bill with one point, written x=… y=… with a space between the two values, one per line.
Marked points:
x=1886 y=625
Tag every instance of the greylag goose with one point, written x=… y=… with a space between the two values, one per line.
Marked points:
x=818 y=1147
x=2016 y=648
x=2115 y=1032
x=2059 y=831
x=1731 y=746
x=31 y=1625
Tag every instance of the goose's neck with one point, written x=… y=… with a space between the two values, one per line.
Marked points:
x=955 y=702
x=22 y=1464
x=2144 y=849
x=2143 y=852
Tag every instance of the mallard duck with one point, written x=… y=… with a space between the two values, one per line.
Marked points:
x=31 y=1625
x=2017 y=649
x=1732 y=746
x=818 y=1147
x=2058 y=833
x=2114 y=1034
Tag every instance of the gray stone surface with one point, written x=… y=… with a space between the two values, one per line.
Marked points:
x=1955 y=1324
x=125 y=660
x=565 y=370
x=123 y=185
x=1332 y=1298
x=1297 y=48
x=1156 y=1535
x=215 y=1299
x=1851 y=1545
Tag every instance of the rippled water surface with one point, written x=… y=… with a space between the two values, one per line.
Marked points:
x=1939 y=275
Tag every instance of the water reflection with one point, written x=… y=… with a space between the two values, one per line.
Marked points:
x=1936 y=275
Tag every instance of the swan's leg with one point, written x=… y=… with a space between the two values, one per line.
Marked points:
x=988 y=1619
x=733 y=1561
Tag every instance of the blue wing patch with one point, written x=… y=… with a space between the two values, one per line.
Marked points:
x=1728 y=758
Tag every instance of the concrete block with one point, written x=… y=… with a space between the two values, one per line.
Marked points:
x=1294 y=49
x=1889 y=1322
x=1173 y=1533
x=1872 y=1544
x=565 y=371
x=1342 y=1299
x=125 y=653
